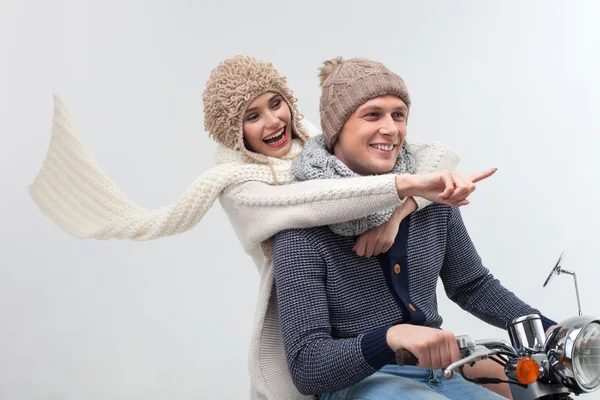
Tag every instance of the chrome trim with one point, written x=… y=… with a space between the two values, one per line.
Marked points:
x=557 y=270
x=527 y=334
x=560 y=345
x=477 y=354
x=574 y=275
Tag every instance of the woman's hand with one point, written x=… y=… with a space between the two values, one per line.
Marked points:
x=379 y=240
x=441 y=187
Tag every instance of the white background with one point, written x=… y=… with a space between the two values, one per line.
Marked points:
x=507 y=84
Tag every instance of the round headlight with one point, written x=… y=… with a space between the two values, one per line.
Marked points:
x=586 y=357
x=573 y=349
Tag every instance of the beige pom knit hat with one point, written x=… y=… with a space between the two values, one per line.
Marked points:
x=347 y=84
x=232 y=86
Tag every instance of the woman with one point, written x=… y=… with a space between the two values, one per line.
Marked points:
x=251 y=112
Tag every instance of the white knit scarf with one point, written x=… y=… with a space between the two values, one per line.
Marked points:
x=72 y=190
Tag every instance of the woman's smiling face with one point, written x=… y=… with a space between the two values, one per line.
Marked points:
x=268 y=126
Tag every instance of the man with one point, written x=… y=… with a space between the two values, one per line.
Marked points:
x=344 y=316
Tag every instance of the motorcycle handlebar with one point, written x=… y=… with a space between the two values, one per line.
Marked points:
x=470 y=351
x=405 y=357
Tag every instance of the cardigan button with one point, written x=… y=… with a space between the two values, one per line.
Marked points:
x=397 y=269
x=412 y=307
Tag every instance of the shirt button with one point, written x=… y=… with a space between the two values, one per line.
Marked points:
x=397 y=269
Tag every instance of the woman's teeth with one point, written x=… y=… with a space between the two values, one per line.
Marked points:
x=276 y=137
x=384 y=147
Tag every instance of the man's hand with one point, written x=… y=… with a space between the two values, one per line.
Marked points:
x=379 y=239
x=441 y=187
x=434 y=348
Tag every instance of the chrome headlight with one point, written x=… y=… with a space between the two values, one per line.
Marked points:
x=573 y=349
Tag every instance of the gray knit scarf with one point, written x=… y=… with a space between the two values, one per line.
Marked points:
x=316 y=162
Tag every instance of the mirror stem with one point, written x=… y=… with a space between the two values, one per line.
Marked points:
x=574 y=275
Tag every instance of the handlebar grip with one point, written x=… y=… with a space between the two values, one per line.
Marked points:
x=405 y=357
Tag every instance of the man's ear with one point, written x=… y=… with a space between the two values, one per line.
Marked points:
x=335 y=146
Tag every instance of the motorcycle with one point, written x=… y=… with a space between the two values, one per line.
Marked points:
x=538 y=367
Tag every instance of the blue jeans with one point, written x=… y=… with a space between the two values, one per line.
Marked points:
x=412 y=383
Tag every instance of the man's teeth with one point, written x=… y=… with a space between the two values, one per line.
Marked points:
x=276 y=134
x=384 y=147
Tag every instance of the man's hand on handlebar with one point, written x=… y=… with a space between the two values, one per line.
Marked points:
x=433 y=348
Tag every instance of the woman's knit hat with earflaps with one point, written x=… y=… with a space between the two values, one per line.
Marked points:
x=232 y=86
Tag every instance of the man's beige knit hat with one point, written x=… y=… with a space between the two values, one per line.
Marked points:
x=232 y=86
x=347 y=84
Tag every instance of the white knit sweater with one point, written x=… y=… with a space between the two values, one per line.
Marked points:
x=72 y=191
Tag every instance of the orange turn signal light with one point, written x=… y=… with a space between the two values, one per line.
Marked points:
x=528 y=371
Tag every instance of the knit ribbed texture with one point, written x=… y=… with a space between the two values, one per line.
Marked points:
x=329 y=297
x=375 y=349
x=349 y=84
x=232 y=86
x=72 y=190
